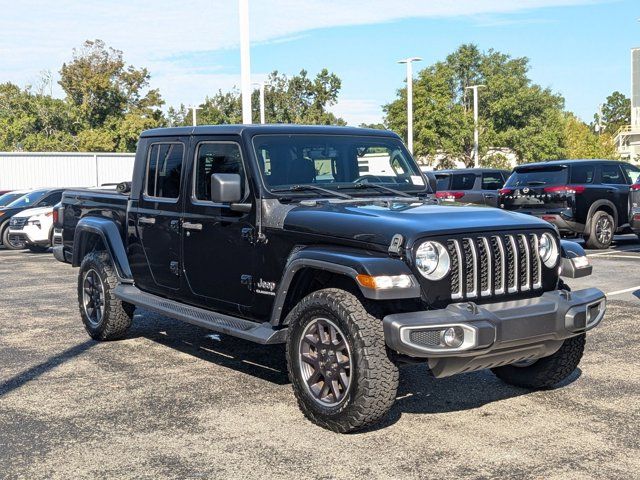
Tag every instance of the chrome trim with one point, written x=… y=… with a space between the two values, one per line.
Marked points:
x=536 y=255
x=503 y=266
x=489 y=253
x=516 y=275
x=474 y=254
x=457 y=295
x=527 y=251
x=191 y=226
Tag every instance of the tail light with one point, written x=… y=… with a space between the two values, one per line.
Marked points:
x=635 y=187
x=449 y=195
x=55 y=217
x=505 y=191
x=566 y=189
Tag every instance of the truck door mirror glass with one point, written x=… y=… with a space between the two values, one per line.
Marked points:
x=226 y=188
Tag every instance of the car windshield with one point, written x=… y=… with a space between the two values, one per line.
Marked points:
x=532 y=177
x=28 y=199
x=9 y=197
x=337 y=162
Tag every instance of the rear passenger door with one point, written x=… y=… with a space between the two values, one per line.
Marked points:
x=491 y=183
x=617 y=188
x=157 y=218
x=469 y=185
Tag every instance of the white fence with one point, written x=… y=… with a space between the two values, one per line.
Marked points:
x=21 y=170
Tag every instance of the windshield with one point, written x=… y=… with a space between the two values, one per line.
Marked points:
x=528 y=177
x=7 y=198
x=28 y=199
x=335 y=162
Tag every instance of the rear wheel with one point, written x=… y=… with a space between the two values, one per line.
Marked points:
x=338 y=364
x=104 y=316
x=601 y=230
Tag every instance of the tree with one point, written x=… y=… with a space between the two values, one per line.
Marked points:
x=582 y=142
x=616 y=113
x=515 y=113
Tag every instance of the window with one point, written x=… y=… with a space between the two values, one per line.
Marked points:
x=164 y=170
x=464 y=181
x=442 y=182
x=336 y=162
x=526 y=176
x=492 y=181
x=51 y=200
x=582 y=173
x=28 y=199
x=215 y=157
x=632 y=171
x=612 y=175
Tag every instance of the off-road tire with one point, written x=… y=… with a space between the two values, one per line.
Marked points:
x=374 y=377
x=548 y=371
x=7 y=244
x=116 y=319
x=591 y=239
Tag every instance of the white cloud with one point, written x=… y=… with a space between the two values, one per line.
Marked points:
x=162 y=34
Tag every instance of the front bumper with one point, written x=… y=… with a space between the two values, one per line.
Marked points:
x=561 y=218
x=30 y=234
x=495 y=334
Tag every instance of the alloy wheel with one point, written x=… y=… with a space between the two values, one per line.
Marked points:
x=604 y=230
x=325 y=362
x=93 y=297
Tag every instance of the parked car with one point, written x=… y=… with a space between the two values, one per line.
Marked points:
x=43 y=197
x=470 y=185
x=634 y=207
x=587 y=198
x=33 y=228
x=229 y=228
x=8 y=197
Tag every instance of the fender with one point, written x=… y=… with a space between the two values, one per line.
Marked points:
x=349 y=262
x=595 y=206
x=108 y=231
x=569 y=251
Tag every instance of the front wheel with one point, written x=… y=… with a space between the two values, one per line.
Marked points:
x=338 y=364
x=11 y=244
x=545 y=372
x=104 y=316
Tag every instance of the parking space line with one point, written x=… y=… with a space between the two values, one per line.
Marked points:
x=632 y=257
x=626 y=290
x=635 y=249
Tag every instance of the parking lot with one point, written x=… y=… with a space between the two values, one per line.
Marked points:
x=171 y=400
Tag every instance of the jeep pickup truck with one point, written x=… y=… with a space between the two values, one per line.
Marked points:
x=273 y=234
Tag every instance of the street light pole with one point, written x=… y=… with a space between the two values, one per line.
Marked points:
x=262 y=87
x=194 y=120
x=245 y=61
x=476 y=142
x=408 y=62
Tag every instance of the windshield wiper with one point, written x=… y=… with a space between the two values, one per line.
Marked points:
x=379 y=187
x=302 y=188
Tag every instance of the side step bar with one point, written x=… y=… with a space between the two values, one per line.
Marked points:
x=262 y=333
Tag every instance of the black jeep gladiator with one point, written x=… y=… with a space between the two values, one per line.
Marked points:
x=273 y=234
x=587 y=198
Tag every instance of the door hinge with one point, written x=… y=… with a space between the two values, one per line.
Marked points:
x=247 y=281
x=247 y=234
x=395 y=247
x=174 y=225
x=174 y=267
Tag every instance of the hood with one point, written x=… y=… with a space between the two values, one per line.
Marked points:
x=32 y=212
x=378 y=222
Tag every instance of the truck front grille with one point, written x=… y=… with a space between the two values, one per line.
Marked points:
x=485 y=266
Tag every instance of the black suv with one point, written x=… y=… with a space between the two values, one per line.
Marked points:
x=470 y=185
x=274 y=234
x=588 y=198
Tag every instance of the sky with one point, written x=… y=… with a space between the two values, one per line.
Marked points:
x=579 y=48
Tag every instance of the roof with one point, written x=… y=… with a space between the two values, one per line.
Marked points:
x=566 y=162
x=264 y=129
x=469 y=170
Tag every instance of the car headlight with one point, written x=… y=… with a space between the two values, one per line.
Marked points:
x=432 y=260
x=548 y=250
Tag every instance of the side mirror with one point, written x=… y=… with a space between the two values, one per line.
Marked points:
x=226 y=187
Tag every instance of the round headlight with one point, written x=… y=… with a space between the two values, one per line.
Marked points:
x=548 y=250
x=432 y=260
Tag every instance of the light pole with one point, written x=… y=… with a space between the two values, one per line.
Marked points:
x=476 y=143
x=261 y=86
x=194 y=120
x=245 y=61
x=408 y=62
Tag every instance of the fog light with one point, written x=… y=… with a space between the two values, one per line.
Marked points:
x=453 y=337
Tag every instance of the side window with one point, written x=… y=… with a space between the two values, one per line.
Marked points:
x=632 y=172
x=463 y=181
x=164 y=170
x=492 y=181
x=612 y=175
x=51 y=200
x=583 y=173
x=215 y=157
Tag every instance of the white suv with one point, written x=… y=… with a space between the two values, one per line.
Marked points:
x=33 y=228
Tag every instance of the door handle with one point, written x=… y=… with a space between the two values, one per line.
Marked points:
x=192 y=226
x=147 y=220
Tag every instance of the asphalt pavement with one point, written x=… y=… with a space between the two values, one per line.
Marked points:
x=173 y=401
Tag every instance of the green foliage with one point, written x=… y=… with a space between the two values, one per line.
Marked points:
x=582 y=142
x=496 y=160
x=514 y=112
x=616 y=113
